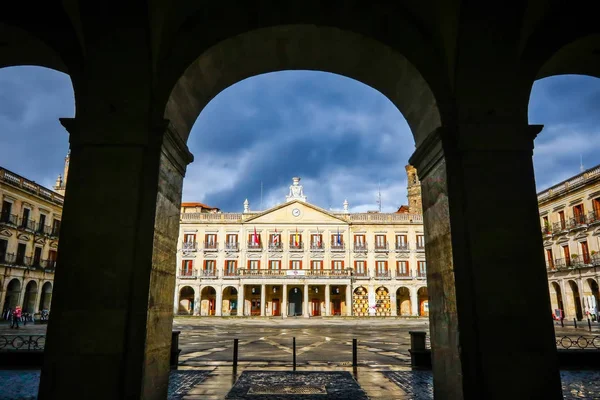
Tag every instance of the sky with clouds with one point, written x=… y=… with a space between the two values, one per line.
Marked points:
x=343 y=138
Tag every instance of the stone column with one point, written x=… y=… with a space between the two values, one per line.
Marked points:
x=394 y=300
x=305 y=302
x=176 y=300
x=241 y=301
x=414 y=302
x=284 y=306
x=219 y=301
x=263 y=302
x=327 y=300
x=468 y=175
x=198 y=300
x=349 y=300
x=124 y=191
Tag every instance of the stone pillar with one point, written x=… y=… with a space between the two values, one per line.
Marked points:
x=349 y=300
x=176 y=300
x=263 y=298
x=305 y=302
x=327 y=300
x=241 y=301
x=469 y=174
x=394 y=301
x=414 y=302
x=219 y=301
x=284 y=306
x=124 y=188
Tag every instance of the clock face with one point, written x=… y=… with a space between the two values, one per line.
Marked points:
x=295 y=212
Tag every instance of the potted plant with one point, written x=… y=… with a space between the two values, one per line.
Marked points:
x=547 y=228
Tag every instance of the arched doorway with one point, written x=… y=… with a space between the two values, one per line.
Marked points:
x=295 y=301
x=557 y=298
x=186 y=301
x=423 y=299
x=403 y=305
x=230 y=301
x=338 y=300
x=46 y=297
x=593 y=298
x=208 y=300
x=360 y=302
x=575 y=300
x=383 y=306
x=30 y=297
x=13 y=295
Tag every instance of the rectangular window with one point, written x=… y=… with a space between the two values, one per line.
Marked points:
x=359 y=241
x=316 y=265
x=52 y=255
x=37 y=256
x=380 y=242
x=55 y=227
x=578 y=214
x=401 y=242
x=561 y=220
x=422 y=269
x=295 y=264
x=6 y=211
x=231 y=267
x=360 y=268
x=596 y=207
x=567 y=254
x=3 y=247
x=210 y=241
x=210 y=266
x=275 y=238
x=21 y=248
x=296 y=240
x=254 y=241
x=42 y=223
x=402 y=268
x=337 y=264
x=546 y=225
x=316 y=241
x=187 y=267
x=337 y=241
x=550 y=258
x=420 y=242
x=381 y=268
x=189 y=238
x=25 y=218
x=275 y=264
x=254 y=264
x=585 y=253
x=231 y=241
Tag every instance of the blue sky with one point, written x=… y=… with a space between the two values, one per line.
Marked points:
x=343 y=138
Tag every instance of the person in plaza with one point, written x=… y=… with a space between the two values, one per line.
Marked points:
x=15 y=317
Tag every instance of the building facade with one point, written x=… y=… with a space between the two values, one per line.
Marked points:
x=297 y=259
x=570 y=220
x=29 y=227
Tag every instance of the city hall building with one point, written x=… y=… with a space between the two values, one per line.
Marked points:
x=570 y=220
x=297 y=259
x=29 y=226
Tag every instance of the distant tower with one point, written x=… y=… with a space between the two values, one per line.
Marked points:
x=414 y=190
x=61 y=181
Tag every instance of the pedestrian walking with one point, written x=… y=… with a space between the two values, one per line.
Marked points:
x=16 y=317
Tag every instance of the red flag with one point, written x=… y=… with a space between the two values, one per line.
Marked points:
x=255 y=237
x=297 y=242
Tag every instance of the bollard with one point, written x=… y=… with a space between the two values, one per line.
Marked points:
x=354 y=353
x=175 y=350
x=590 y=324
x=562 y=322
x=575 y=322
x=235 y=353
x=294 y=351
x=419 y=355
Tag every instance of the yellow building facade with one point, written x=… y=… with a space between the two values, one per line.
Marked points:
x=29 y=226
x=570 y=220
x=297 y=259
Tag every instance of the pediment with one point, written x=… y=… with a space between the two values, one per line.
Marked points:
x=54 y=245
x=40 y=240
x=5 y=232
x=562 y=239
x=285 y=213
x=22 y=236
x=596 y=232
x=548 y=243
x=581 y=235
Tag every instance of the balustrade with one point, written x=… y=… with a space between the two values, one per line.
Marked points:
x=293 y=273
x=189 y=246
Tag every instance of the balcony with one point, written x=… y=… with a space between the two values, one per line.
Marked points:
x=402 y=248
x=338 y=247
x=547 y=230
x=231 y=274
x=294 y=273
x=550 y=266
x=27 y=224
x=232 y=246
x=577 y=222
x=210 y=246
x=562 y=264
x=360 y=274
x=403 y=275
x=49 y=265
x=187 y=274
x=7 y=258
x=189 y=246
x=8 y=219
x=595 y=258
x=296 y=246
x=361 y=248
x=420 y=248
x=254 y=246
x=55 y=231
x=593 y=217
x=317 y=247
x=383 y=275
x=207 y=274
x=421 y=274
x=558 y=227
x=43 y=229
x=275 y=246
x=381 y=247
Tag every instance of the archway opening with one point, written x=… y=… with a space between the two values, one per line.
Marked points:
x=230 y=301
x=556 y=298
x=13 y=295
x=29 y=302
x=296 y=301
x=403 y=304
x=423 y=298
x=46 y=297
x=208 y=301
x=592 y=297
x=186 y=301
x=576 y=309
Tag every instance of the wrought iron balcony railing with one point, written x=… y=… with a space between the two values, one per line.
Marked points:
x=558 y=227
x=275 y=246
x=26 y=223
x=420 y=247
x=232 y=246
x=254 y=246
x=317 y=247
x=593 y=217
x=189 y=246
x=338 y=247
x=403 y=275
x=421 y=274
x=401 y=247
x=187 y=274
x=7 y=258
x=562 y=263
x=360 y=247
x=381 y=247
x=383 y=275
x=360 y=274
x=577 y=222
x=595 y=259
x=296 y=246
x=231 y=273
x=55 y=231
x=207 y=273
x=210 y=246
x=8 y=219
x=293 y=273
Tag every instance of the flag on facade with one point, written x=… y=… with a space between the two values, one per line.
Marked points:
x=275 y=237
x=297 y=242
x=255 y=237
x=339 y=239
x=318 y=237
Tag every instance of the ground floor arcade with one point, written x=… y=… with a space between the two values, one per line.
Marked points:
x=576 y=296
x=31 y=290
x=301 y=299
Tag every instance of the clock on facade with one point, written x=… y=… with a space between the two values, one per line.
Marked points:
x=296 y=212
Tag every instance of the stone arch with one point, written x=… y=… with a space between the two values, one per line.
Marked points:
x=13 y=294
x=403 y=303
x=305 y=47
x=383 y=305
x=360 y=302
x=556 y=298
x=46 y=296
x=230 y=301
x=208 y=301
x=575 y=309
x=295 y=301
x=423 y=301
x=186 y=300
x=30 y=297
x=592 y=297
